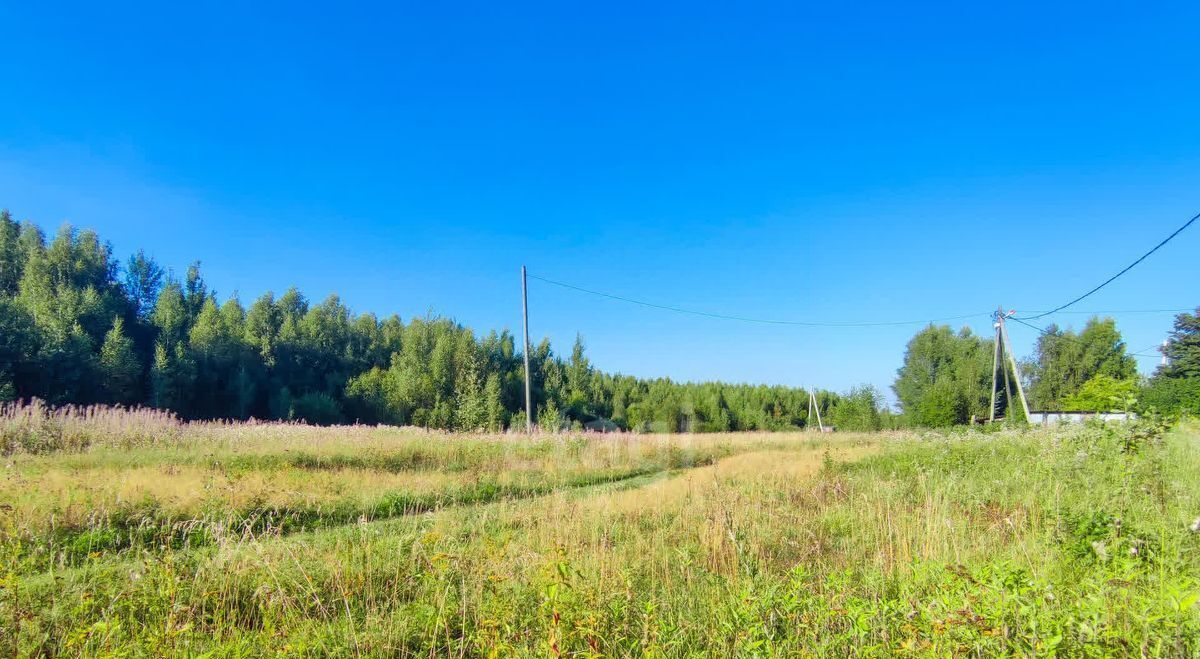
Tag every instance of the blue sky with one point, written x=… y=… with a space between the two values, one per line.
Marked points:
x=827 y=162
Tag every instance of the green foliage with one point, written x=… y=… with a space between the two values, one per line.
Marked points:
x=1173 y=396
x=1183 y=347
x=79 y=329
x=858 y=410
x=1064 y=361
x=945 y=377
x=120 y=366
x=143 y=282
x=1175 y=388
x=550 y=419
x=172 y=377
x=1103 y=393
x=18 y=347
x=317 y=408
x=12 y=261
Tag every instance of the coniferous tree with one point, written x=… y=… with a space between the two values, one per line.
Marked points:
x=18 y=350
x=195 y=291
x=172 y=379
x=170 y=316
x=12 y=261
x=1175 y=387
x=120 y=366
x=1183 y=347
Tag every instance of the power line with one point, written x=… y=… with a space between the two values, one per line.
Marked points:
x=1156 y=346
x=1127 y=269
x=746 y=319
x=1031 y=325
x=768 y=321
x=1120 y=311
x=1139 y=353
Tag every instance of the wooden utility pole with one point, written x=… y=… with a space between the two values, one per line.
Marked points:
x=1016 y=369
x=1003 y=344
x=525 y=322
x=1008 y=398
x=995 y=364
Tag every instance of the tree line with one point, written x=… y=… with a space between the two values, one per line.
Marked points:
x=77 y=326
x=946 y=378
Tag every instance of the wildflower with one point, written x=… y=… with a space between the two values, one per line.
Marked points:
x=1195 y=527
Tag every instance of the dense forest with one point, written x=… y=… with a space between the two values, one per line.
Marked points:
x=78 y=326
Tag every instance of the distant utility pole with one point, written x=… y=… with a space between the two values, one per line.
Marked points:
x=812 y=405
x=525 y=318
x=1005 y=346
x=1163 y=350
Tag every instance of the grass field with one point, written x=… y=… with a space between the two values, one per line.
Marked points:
x=128 y=534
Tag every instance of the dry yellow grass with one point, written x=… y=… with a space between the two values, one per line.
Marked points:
x=764 y=465
x=70 y=497
x=226 y=470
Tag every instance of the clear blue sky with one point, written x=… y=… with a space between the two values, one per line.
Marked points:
x=825 y=162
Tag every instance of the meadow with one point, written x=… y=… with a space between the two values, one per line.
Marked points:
x=128 y=533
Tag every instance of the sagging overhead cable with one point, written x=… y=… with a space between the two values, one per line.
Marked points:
x=1129 y=267
x=745 y=319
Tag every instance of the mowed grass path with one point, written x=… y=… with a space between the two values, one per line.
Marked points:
x=1070 y=542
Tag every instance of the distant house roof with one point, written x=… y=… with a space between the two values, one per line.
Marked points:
x=601 y=425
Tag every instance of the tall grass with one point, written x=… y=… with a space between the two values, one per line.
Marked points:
x=119 y=486
x=34 y=427
x=1071 y=542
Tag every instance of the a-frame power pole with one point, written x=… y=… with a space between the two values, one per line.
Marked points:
x=813 y=405
x=1000 y=369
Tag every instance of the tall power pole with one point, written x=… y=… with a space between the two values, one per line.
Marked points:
x=1012 y=358
x=995 y=364
x=1003 y=344
x=525 y=318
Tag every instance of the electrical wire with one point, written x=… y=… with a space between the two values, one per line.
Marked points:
x=746 y=319
x=1030 y=325
x=1156 y=346
x=1139 y=353
x=1129 y=267
x=1121 y=311
x=768 y=321
x=1146 y=352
